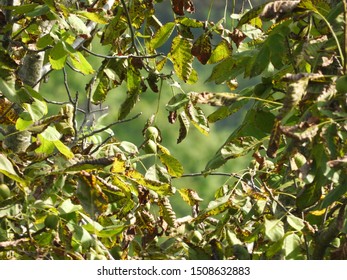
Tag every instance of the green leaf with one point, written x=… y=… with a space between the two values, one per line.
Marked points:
x=127 y=105
x=7 y=88
x=226 y=111
x=273 y=229
x=7 y=169
x=189 y=22
x=44 y=41
x=65 y=150
x=111 y=231
x=133 y=81
x=68 y=207
x=38 y=108
x=57 y=56
x=222 y=72
x=157 y=186
x=222 y=51
x=129 y=147
x=310 y=194
x=177 y=101
x=251 y=14
x=99 y=89
x=214 y=208
x=181 y=57
x=174 y=167
x=295 y=222
x=261 y=61
x=81 y=63
x=96 y=17
x=292 y=247
x=77 y=25
x=158 y=173
x=198 y=118
x=162 y=35
x=51 y=134
x=24 y=9
x=334 y=195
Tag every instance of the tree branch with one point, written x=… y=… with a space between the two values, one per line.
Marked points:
x=108 y=126
x=120 y=56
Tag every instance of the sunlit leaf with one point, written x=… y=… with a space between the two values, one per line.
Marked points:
x=180 y=55
x=68 y=207
x=215 y=207
x=96 y=17
x=57 y=56
x=81 y=63
x=77 y=25
x=295 y=222
x=274 y=229
x=65 y=150
x=222 y=51
x=162 y=35
x=173 y=166
x=292 y=246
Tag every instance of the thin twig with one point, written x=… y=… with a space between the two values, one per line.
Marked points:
x=132 y=34
x=199 y=174
x=108 y=126
x=120 y=56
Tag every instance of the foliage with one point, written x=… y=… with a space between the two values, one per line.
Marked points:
x=71 y=190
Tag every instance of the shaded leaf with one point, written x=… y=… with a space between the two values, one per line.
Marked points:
x=177 y=101
x=127 y=105
x=7 y=169
x=184 y=127
x=309 y=195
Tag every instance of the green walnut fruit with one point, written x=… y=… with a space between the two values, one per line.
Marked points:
x=152 y=133
x=5 y=192
x=341 y=84
x=52 y=221
x=150 y=147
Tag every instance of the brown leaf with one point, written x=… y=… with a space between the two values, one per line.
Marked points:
x=179 y=6
x=202 y=48
x=274 y=140
x=237 y=36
